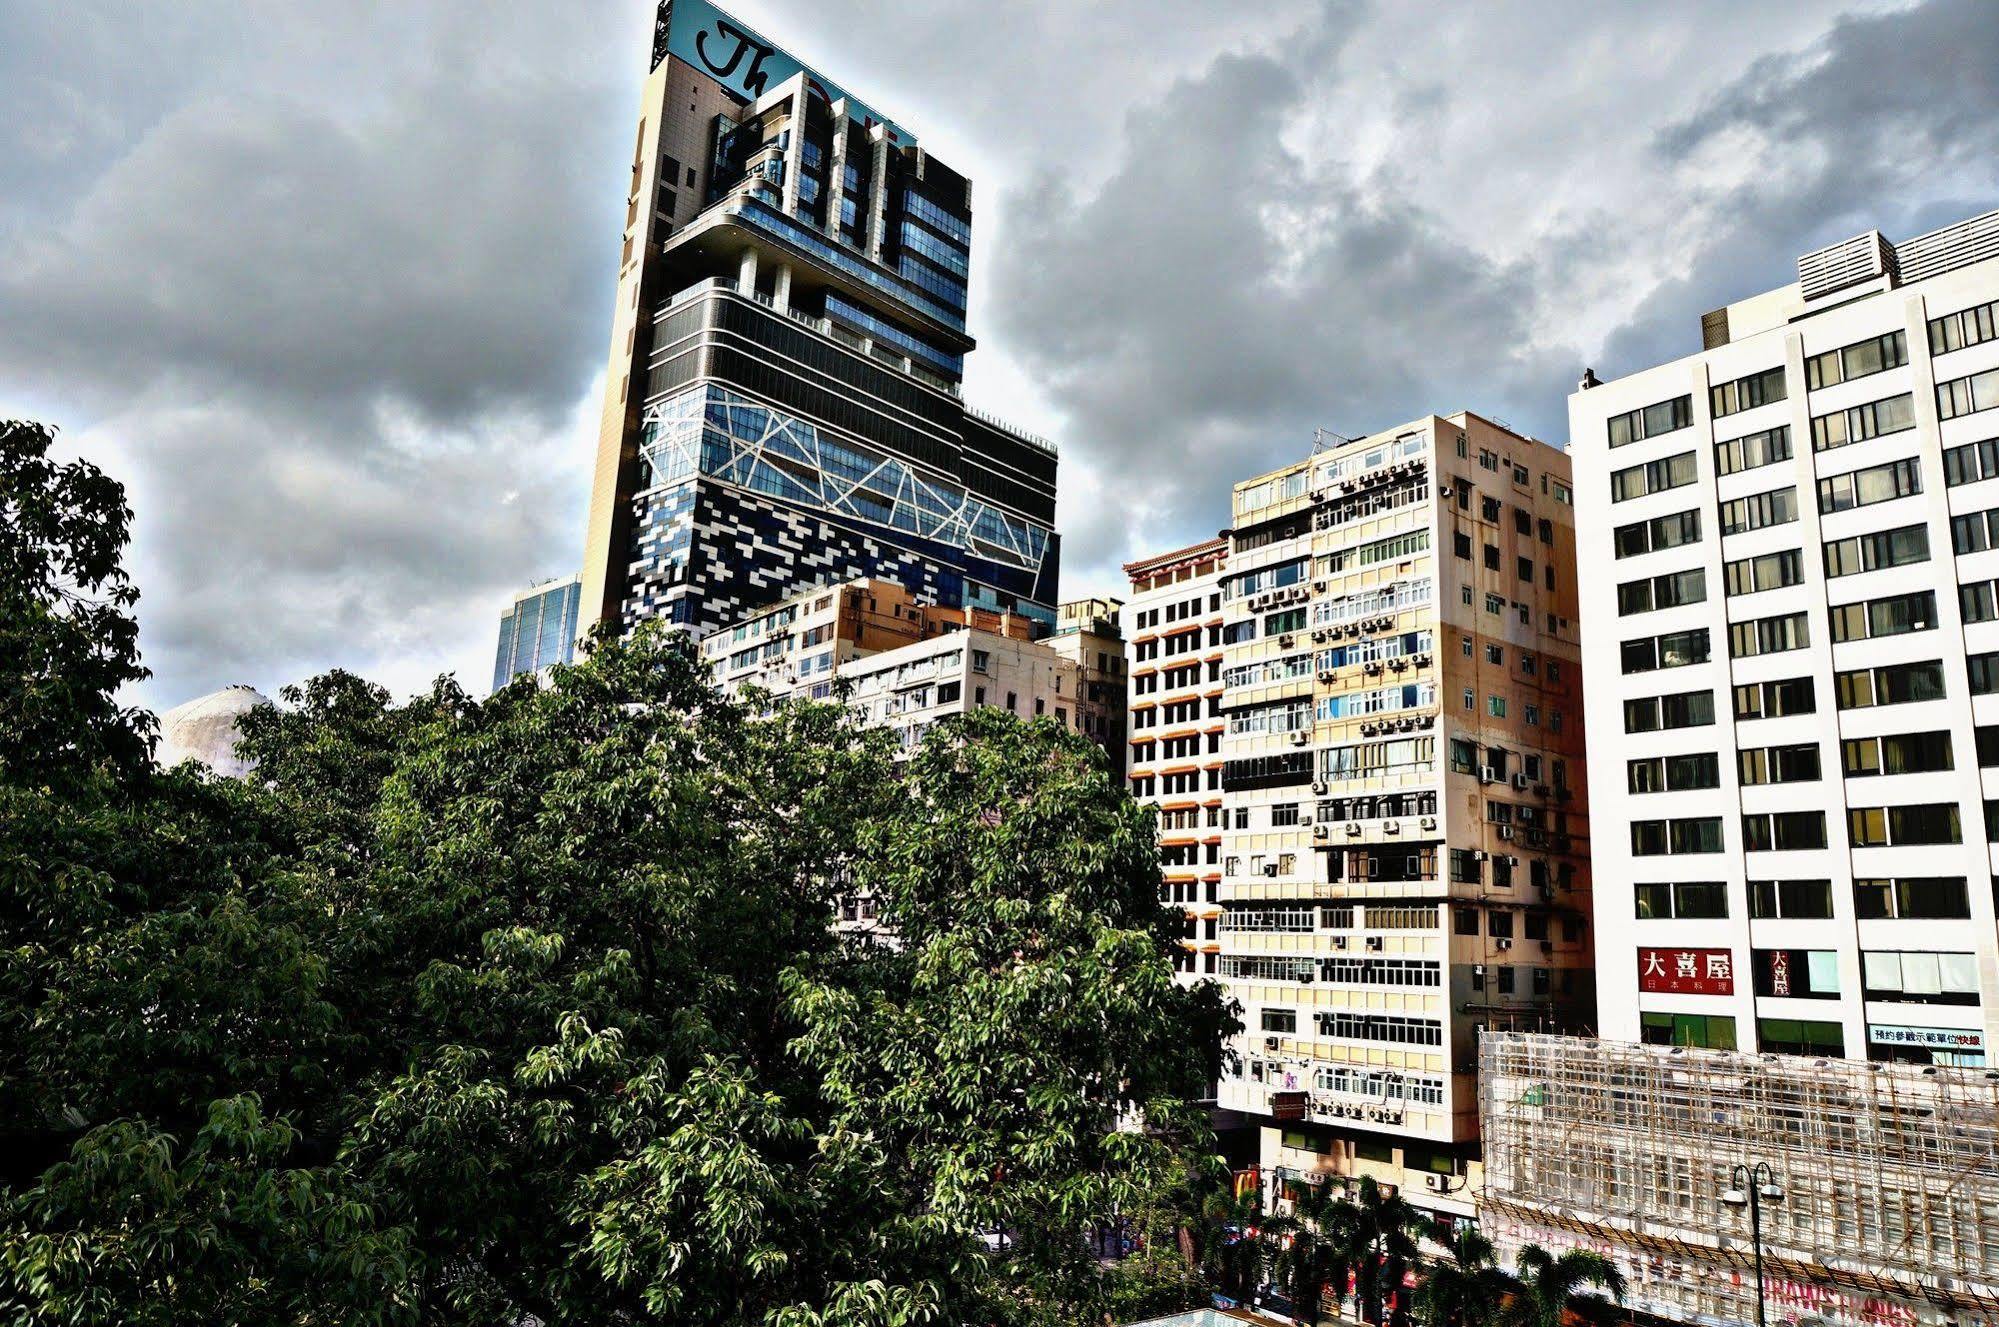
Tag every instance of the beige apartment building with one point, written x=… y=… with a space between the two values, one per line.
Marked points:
x=906 y=663
x=1404 y=835
x=1173 y=628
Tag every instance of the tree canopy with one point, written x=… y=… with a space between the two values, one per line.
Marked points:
x=531 y=1009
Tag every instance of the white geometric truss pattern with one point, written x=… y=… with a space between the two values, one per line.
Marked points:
x=712 y=431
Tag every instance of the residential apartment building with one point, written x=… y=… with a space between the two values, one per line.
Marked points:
x=1173 y=630
x=1788 y=576
x=538 y=629
x=1405 y=835
x=1792 y=648
x=904 y=663
x=782 y=405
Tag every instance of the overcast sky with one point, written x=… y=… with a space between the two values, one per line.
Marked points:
x=329 y=286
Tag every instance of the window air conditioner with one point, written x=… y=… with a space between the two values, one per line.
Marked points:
x=1391 y=827
x=1429 y=822
x=1486 y=774
x=1319 y=787
x=1502 y=943
x=1506 y=832
x=1520 y=781
x=1376 y=944
x=1353 y=828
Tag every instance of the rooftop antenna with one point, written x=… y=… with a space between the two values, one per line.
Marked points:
x=1324 y=439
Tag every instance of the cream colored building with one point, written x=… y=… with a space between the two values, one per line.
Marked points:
x=1404 y=842
x=1174 y=617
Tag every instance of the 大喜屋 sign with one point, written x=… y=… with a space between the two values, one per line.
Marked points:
x=1686 y=971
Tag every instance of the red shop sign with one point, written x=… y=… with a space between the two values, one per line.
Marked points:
x=1687 y=971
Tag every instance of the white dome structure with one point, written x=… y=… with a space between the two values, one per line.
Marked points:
x=204 y=729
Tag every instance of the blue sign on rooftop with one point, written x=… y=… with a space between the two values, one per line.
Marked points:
x=727 y=50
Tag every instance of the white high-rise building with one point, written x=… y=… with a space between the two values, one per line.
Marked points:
x=1791 y=637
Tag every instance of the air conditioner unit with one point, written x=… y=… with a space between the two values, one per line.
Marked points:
x=1353 y=829
x=1502 y=944
x=1271 y=869
x=1520 y=781
x=1321 y=634
x=1434 y=1183
x=1399 y=665
x=1373 y=669
x=1506 y=832
x=1479 y=854
x=1429 y=822
x=1391 y=827
x=1320 y=586
x=1319 y=787
x=1487 y=774
x=1305 y=821
x=1327 y=674
x=1376 y=944
x=1511 y=860
x=1322 y=831
x=1287 y=641
x=1270 y=1043
x=1339 y=942
x=1420 y=660
x=1300 y=739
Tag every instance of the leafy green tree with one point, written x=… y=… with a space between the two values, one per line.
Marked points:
x=529 y=1008
x=1382 y=1239
x=1466 y=1289
x=1551 y=1287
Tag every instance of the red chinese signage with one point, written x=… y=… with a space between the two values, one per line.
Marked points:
x=1686 y=971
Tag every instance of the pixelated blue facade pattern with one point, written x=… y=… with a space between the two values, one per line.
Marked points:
x=707 y=554
x=743 y=505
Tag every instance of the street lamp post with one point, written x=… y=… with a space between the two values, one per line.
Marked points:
x=1754 y=1185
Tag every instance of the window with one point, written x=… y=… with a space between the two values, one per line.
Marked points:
x=1663 y=774
x=1798 y=899
x=1670 y=590
x=1864 y=488
x=1858 y=423
x=1682 y=527
x=1872 y=552
x=1280 y=1020
x=1283 y=814
x=1675 y=649
x=1777 y=507
x=1776 y=699
x=1955 y=331
x=1974 y=532
x=1689 y=709
x=1495 y=654
x=1756 y=449
x=1894 y=615
x=1461 y=545
x=1894 y=684
x=1929 y=898
x=1768 y=635
x=1652 y=477
x=1800 y=1036
x=1978 y=602
x=1705 y=899
x=1747 y=393
x=1967 y=396
x=1496 y=706
x=1664 y=417
x=1783 y=831
x=1780 y=764
x=1874 y=355
x=1919 y=978
x=1899 y=753
x=1896 y=826
x=1656 y=838
x=1713 y=1031
x=1769 y=571
x=1984 y=670
x=1797 y=974
x=1971 y=462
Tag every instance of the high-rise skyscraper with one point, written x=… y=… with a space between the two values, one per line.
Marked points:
x=538 y=629
x=783 y=405
x=1364 y=721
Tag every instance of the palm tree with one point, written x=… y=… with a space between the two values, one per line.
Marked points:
x=1375 y=1237
x=1232 y=1240
x=1467 y=1290
x=1311 y=1251
x=1551 y=1286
